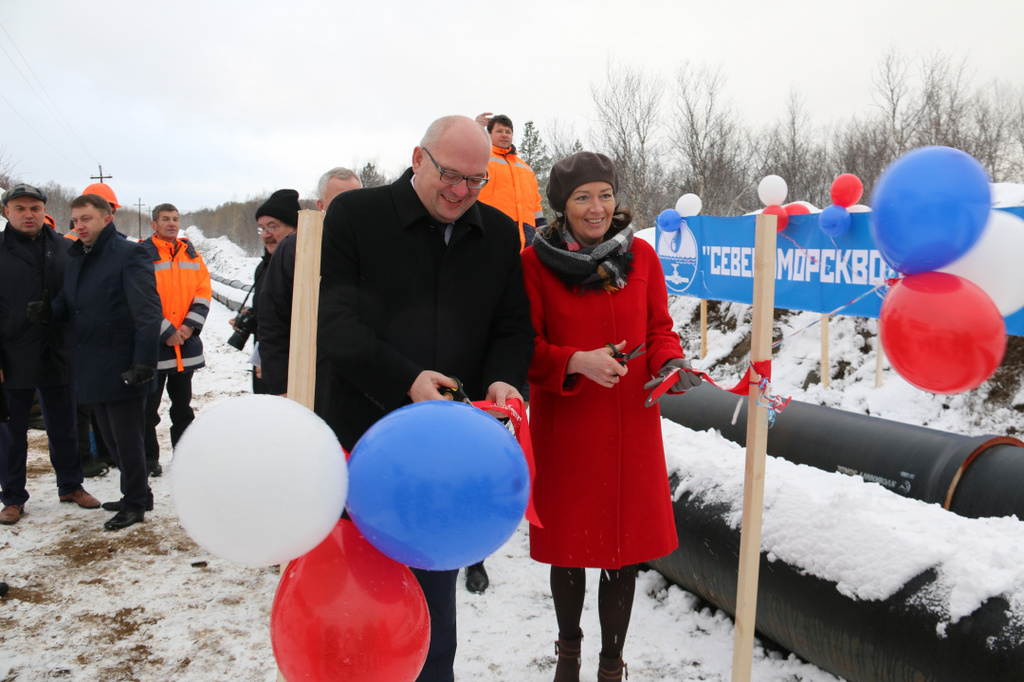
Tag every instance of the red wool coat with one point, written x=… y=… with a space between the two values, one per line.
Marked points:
x=601 y=486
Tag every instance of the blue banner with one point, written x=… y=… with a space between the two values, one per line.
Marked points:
x=713 y=258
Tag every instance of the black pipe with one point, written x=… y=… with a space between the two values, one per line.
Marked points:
x=891 y=640
x=973 y=476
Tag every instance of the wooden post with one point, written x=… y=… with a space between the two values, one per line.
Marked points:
x=305 y=304
x=757 y=446
x=703 y=328
x=826 y=374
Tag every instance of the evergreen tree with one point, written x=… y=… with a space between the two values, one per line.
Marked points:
x=369 y=176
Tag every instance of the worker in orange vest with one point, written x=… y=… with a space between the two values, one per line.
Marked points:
x=512 y=186
x=183 y=283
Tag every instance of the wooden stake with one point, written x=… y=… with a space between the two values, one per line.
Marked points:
x=826 y=374
x=703 y=328
x=305 y=302
x=305 y=305
x=757 y=446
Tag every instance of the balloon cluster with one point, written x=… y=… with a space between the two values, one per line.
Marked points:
x=846 y=191
x=672 y=220
x=772 y=192
x=261 y=480
x=942 y=324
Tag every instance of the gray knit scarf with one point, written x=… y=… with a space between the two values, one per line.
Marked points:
x=601 y=267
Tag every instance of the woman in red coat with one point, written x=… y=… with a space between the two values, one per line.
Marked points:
x=601 y=485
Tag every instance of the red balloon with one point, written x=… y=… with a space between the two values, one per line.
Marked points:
x=780 y=213
x=796 y=209
x=942 y=333
x=344 y=611
x=847 y=190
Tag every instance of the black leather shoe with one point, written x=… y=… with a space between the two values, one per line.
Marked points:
x=116 y=506
x=91 y=468
x=154 y=468
x=123 y=519
x=476 y=578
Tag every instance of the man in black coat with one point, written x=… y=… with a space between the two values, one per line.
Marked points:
x=420 y=283
x=111 y=301
x=35 y=359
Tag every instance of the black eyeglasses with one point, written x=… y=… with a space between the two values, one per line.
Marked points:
x=452 y=178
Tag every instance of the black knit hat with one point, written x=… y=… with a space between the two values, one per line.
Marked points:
x=283 y=205
x=576 y=170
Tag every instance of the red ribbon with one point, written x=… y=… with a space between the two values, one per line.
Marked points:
x=763 y=369
x=516 y=412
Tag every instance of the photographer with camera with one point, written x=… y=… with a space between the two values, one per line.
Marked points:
x=276 y=218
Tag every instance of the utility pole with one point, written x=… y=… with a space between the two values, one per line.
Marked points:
x=101 y=177
x=140 y=217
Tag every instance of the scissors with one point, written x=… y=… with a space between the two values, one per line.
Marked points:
x=623 y=358
x=458 y=394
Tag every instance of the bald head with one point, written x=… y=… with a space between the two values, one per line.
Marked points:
x=456 y=144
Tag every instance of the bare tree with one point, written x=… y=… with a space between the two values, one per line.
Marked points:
x=900 y=110
x=369 y=176
x=563 y=140
x=945 y=104
x=628 y=109
x=708 y=142
x=792 y=149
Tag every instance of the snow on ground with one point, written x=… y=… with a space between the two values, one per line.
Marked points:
x=148 y=604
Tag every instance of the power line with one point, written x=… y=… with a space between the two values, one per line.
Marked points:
x=41 y=136
x=52 y=105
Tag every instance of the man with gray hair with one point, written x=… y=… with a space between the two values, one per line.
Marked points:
x=334 y=182
x=421 y=283
x=275 y=302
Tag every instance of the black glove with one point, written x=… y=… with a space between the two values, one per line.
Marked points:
x=685 y=380
x=40 y=311
x=138 y=375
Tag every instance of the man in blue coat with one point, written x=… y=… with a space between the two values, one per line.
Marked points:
x=111 y=301
x=35 y=359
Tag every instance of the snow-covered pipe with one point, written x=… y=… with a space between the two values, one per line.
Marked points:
x=974 y=476
x=899 y=638
x=893 y=640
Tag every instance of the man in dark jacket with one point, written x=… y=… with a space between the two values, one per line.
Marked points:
x=276 y=218
x=35 y=359
x=420 y=283
x=111 y=301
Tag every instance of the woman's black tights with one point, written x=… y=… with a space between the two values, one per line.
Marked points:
x=614 y=604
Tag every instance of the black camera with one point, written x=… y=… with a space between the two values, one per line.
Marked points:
x=245 y=325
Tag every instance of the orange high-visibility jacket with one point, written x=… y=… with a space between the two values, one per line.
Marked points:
x=512 y=188
x=184 y=286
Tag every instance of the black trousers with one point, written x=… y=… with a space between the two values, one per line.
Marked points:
x=439 y=589
x=179 y=390
x=122 y=425
x=57 y=404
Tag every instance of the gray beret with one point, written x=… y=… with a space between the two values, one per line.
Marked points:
x=576 y=170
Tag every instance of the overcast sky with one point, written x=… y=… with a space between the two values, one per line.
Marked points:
x=198 y=103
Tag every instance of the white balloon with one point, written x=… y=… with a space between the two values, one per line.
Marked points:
x=994 y=262
x=772 y=190
x=688 y=205
x=259 y=480
x=859 y=208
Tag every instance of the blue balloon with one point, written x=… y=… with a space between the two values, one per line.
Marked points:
x=669 y=220
x=929 y=207
x=834 y=221
x=437 y=485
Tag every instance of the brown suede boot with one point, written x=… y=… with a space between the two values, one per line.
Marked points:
x=612 y=669
x=569 y=659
